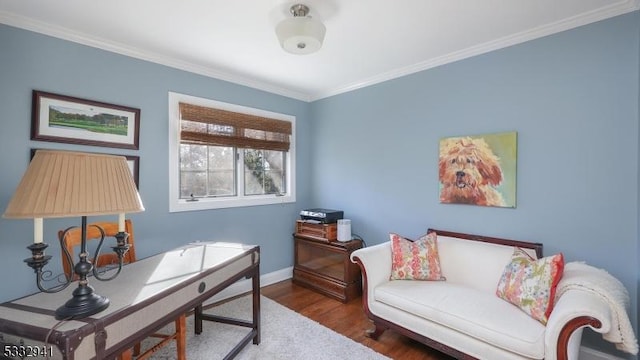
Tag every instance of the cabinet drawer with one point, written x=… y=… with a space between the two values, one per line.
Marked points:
x=327 y=286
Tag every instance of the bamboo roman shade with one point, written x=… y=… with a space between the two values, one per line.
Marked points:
x=202 y=125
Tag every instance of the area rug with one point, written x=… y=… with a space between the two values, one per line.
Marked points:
x=285 y=335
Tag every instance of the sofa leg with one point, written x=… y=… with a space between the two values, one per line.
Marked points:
x=376 y=332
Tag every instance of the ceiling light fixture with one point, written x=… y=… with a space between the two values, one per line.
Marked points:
x=301 y=34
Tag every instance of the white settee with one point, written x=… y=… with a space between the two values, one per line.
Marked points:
x=463 y=317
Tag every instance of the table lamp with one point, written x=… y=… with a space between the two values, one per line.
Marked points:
x=69 y=184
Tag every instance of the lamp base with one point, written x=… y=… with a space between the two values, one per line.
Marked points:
x=84 y=303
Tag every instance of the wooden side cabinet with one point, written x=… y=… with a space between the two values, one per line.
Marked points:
x=325 y=266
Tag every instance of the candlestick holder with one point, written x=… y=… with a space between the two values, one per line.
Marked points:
x=69 y=184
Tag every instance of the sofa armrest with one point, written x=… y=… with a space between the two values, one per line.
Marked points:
x=375 y=264
x=572 y=312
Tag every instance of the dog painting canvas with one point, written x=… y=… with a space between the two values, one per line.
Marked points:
x=478 y=170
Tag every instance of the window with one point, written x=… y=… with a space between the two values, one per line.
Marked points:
x=225 y=155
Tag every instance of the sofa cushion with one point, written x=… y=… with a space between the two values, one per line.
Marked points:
x=415 y=260
x=531 y=284
x=473 y=312
x=476 y=264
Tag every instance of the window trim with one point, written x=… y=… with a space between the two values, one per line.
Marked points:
x=176 y=204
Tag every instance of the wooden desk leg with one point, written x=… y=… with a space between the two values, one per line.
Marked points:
x=126 y=355
x=256 y=304
x=181 y=342
x=197 y=319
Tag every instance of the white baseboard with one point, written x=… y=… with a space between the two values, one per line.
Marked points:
x=243 y=286
x=591 y=354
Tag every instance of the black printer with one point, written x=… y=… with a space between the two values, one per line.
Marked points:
x=324 y=216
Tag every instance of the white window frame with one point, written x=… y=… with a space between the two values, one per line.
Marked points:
x=176 y=204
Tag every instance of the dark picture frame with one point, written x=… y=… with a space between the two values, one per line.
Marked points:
x=134 y=165
x=68 y=119
x=132 y=160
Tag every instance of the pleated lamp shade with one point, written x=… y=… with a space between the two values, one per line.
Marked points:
x=66 y=184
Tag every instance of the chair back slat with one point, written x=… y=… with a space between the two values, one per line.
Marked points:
x=73 y=238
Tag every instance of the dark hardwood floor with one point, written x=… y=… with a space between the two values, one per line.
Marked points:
x=347 y=319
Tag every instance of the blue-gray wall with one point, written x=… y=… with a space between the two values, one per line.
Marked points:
x=31 y=61
x=572 y=97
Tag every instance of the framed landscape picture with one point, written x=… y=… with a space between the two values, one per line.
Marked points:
x=66 y=119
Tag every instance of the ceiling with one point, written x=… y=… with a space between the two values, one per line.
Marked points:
x=366 y=42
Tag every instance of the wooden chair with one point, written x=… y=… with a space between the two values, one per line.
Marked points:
x=107 y=257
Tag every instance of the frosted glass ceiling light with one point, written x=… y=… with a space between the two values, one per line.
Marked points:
x=300 y=34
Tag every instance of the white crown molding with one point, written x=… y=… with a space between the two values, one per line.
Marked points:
x=565 y=24
x=619 y=8
x=69 y=35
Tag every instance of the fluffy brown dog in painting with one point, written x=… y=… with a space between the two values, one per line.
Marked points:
x=469 y=172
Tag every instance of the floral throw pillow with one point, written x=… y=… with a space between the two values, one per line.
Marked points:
x=415 y=260
x=531 y=284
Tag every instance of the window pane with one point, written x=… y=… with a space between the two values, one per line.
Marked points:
x=193 y=157
x=192 y=182
x=193 y=166
x=221 y=183
x=278 y=181
x=264 y=173
x=221 y=171
x=221 y=158
x=206 y=171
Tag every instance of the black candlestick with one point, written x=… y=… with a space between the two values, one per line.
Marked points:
x=85 y=301
x=38 y=259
